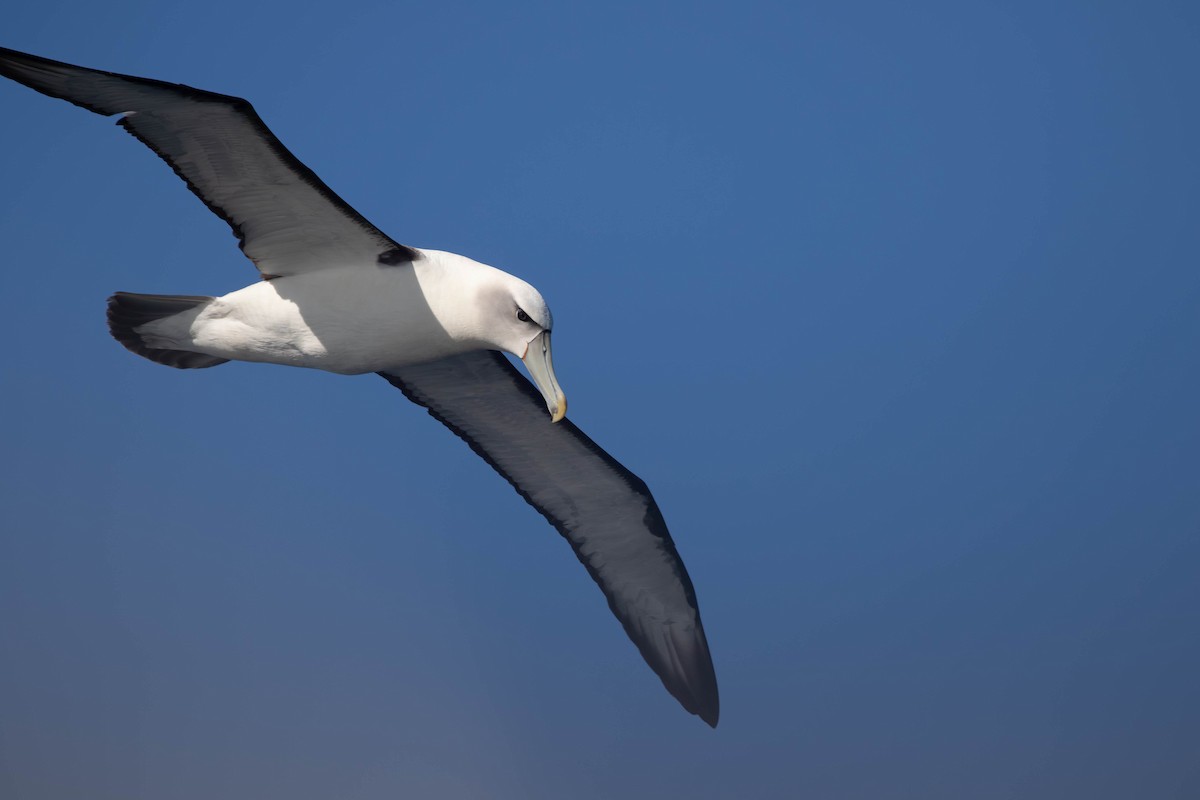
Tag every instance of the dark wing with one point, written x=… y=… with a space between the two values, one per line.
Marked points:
x=285 y=217
x=604 y=510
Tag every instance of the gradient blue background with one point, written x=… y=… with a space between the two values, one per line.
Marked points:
x=893 y=305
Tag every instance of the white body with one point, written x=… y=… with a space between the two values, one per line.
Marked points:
x=355 y=318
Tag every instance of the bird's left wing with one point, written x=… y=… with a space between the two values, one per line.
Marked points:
x=604 y=510
x=285 y=218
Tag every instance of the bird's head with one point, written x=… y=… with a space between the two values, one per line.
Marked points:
x=519 y=322
x=504 y=313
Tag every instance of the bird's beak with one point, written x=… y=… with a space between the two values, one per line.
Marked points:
x=541 y=369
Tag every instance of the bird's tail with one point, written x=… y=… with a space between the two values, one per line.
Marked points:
x=127 y=312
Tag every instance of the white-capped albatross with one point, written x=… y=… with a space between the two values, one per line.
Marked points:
x=339 y=295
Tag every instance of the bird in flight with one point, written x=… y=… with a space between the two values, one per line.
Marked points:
x=338 y=294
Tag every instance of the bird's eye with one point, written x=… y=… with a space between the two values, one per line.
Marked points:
x=521 y=315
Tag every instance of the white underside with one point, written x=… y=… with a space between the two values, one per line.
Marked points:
x=350 y=320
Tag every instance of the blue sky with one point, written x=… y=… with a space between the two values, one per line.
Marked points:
x=894 y=306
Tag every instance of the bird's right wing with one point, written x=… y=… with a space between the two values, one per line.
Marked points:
x=602 y=509
x=286 y=219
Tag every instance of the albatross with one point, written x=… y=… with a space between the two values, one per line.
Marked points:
x=337 y=294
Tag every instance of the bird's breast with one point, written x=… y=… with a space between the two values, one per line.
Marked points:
x=347 y=321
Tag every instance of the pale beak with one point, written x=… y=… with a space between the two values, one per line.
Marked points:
x=541 y=369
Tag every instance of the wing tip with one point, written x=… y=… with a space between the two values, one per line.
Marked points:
x=706 y=706
x=687 y=672
x=706 y=702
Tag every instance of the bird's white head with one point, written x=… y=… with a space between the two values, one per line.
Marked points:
x=520 y=321
x=510 y=315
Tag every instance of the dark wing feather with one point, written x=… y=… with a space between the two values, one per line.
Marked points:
x=286 y=219
x=604 y=510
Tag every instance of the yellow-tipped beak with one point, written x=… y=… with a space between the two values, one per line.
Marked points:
x=541 y=369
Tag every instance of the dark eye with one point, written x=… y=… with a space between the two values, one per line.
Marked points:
x=521 y=315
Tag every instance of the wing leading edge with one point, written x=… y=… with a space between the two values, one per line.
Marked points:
x=603 y=510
